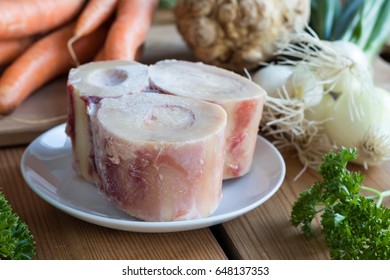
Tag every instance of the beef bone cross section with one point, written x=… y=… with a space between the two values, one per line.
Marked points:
x=242 y=100
x=98 y=80
x=159 y=157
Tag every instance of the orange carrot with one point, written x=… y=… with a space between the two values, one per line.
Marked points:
x=94 y=15
x=10 y=49
x=27 y=17
x=100 y=55
x=44 y=60
x=128 y=31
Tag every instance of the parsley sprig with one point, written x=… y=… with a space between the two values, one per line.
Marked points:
x=16 y=241
x=355 y=226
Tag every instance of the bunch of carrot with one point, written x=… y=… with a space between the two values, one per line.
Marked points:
x=41 y=39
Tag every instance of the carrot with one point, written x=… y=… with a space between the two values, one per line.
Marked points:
x=27 y=17
x=94 y=15
x=100 y=55
x=44 y=60
x=10 y=49
x=128 y=31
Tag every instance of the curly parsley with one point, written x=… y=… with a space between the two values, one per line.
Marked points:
x=16 y=241
x=355 y=226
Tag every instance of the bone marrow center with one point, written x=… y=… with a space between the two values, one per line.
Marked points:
x=168 y=117
x=108 y=77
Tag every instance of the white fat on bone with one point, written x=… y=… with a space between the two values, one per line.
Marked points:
x=242 y=100
x=160 y=157
x=100 y=80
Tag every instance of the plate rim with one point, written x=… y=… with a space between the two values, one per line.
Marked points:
x=156 y=227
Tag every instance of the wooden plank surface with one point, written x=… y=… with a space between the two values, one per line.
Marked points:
x=60 y=236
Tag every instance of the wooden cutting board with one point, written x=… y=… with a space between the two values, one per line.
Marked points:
x=43 y=110
x=47 y=107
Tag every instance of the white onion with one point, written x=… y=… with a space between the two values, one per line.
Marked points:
x=321 y=112
x=352 y=51
x=328 y=100
x=355 y=68
x=273 y=77
x=304 y=85
x=369 y=134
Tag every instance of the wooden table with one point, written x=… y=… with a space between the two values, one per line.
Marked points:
x=264 y=233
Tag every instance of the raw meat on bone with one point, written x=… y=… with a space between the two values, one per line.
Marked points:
x=87 y=84
x=159 y=157
x=242 y=100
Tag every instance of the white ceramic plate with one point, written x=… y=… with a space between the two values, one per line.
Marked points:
x=47 y=168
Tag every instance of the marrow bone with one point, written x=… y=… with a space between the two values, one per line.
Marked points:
x=242 y=100
x=97 y=80
x=160 y=157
